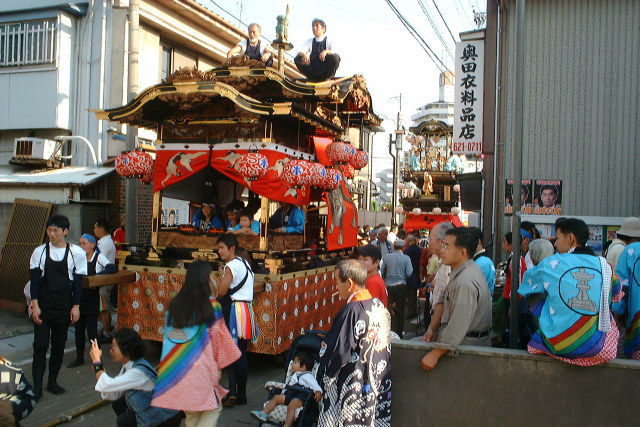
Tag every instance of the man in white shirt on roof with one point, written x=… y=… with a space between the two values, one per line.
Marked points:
x=316 y=58
x=253 y=47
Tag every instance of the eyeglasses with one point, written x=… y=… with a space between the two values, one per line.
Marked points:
x=446 y=246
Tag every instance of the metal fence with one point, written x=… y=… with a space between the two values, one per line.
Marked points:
x=27 y=43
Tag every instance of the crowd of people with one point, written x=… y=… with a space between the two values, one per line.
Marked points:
x=287 y=218
x=572 y=305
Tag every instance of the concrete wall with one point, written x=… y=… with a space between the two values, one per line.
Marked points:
x=486 y=386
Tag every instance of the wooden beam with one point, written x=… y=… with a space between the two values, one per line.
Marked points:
x=108 y=279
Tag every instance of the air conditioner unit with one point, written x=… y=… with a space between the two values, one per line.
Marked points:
x=33 y=148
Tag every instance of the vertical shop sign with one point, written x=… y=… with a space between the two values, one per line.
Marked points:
x=469 y=97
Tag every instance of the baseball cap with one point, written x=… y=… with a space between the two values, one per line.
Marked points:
x=369 y=250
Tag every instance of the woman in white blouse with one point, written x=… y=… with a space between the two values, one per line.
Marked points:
x=132 y=388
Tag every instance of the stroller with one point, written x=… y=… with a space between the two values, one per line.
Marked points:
x=307 y=415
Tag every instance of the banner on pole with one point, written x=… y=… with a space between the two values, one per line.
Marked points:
x=469 y=97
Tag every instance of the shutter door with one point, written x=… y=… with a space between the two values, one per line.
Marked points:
x=26 y=230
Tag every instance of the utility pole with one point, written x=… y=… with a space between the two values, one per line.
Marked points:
x=396 y=169
x=131 y=189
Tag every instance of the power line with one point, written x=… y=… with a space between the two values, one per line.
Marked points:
x=432 y=55
x=461 y=15
x=240 y=23
x=435 y=28
x=444 y=21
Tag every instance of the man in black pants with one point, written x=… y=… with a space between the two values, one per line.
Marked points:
x=235 y=292
x=316 y=58
x=56 y=271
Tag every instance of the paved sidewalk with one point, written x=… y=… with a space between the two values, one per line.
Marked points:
x=16 y=340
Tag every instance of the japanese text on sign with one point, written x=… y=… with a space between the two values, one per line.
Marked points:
x=469 y=97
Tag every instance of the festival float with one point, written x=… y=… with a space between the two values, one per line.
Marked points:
x=242 y=127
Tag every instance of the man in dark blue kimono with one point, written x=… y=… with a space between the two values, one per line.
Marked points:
x=356 y=356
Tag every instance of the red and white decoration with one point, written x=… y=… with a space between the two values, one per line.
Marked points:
x=252 y=166
x=332 y=180
x=297 y=172
x=340 y=152
x=134 y=164
x=317 y=174
x=360 y=159
x=148 y=177
x=347 y=170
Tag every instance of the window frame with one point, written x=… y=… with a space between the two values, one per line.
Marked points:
x=41 y=48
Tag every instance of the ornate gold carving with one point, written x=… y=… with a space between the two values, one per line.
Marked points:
x=185 y=74
x=244 y=61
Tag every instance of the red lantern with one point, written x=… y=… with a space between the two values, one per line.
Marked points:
x=317 y=174
x=340 y=152
x=297 y=172
x=360 y=159
x=133 y=164
x=252 y=166
x=148 y=177
x=333 y=180
x=348 y=171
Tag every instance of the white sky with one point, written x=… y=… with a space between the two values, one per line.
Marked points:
x=372 y=42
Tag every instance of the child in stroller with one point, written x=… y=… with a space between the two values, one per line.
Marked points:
x=305 y=415
x=299 y=388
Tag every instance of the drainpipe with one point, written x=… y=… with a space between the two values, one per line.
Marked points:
x=105 y=57
x=394 y=189
x=497 y=185
x=518 y=136
x=131 y=194
x=82 y=139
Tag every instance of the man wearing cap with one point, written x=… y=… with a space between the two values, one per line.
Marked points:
x=206 y=218
x=628 y=268
x=56 y=270
x=370 y=256
x=396 y=271
x=463 y=312
x=629 y=233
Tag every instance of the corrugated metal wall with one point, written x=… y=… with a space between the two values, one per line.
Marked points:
x=582 y=102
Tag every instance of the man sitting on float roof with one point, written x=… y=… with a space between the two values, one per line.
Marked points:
x=253 y=47
x=316 y=58
x=287 y=219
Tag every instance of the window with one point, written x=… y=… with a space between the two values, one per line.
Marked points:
x=28 y=43
x=365 y=140
x=167 y=60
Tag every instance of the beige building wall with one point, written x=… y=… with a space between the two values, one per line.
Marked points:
x=581 y=102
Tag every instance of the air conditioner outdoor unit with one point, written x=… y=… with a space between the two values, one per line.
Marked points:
x=33 y=148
